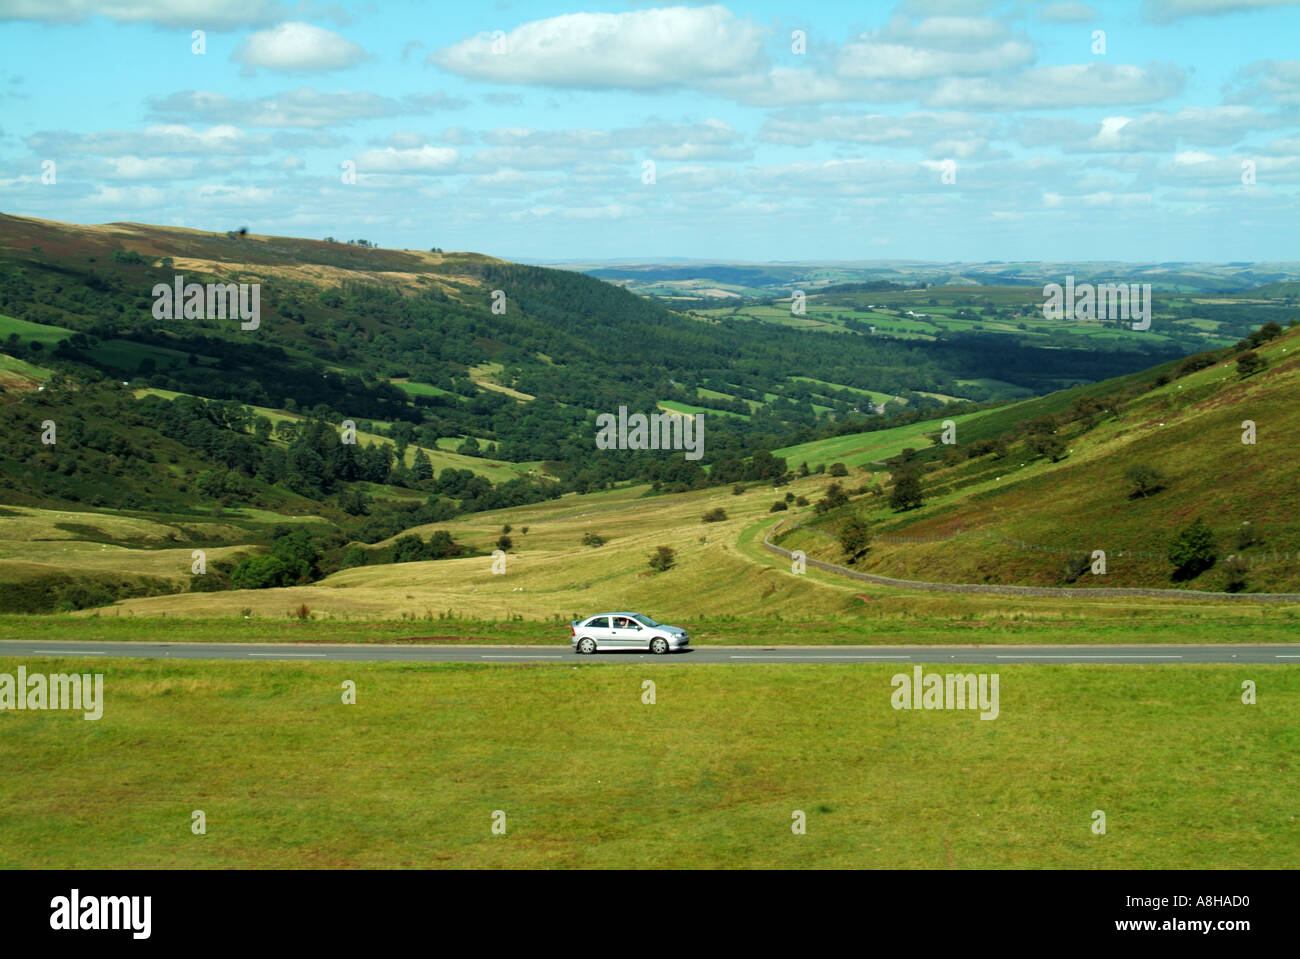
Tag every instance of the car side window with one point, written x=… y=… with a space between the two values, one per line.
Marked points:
x=600 y=622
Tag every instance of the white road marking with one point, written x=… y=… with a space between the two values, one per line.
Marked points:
x=1100 y=656
x=281 y=655
x=69 y=652
x=817 y=658
x=520 y=657
x=1285 y=656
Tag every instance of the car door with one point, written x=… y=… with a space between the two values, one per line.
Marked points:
x=598 y=629
x=626 y=632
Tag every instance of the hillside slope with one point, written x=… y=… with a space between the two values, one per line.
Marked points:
x=1062 y=484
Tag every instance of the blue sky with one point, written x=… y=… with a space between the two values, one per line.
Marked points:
x=927 y=129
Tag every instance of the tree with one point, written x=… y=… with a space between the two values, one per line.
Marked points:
x=835 y=497
x=855 y=537
x=262 y=572
x=1145 y=479
x=1249 y=363
x=838 y=469
x=1193 y=550
x=409 y=549
x=354 y=502
x=907 y=493
x=1047 y=444
x=421 y=468
x=504 y=543
x=299 y=554
x=663 y=559
x=1236 y=570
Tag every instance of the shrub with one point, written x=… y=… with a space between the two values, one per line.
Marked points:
x=504 y=543
x=1236 y=570
x=262 y=572
x=778 y=506
x=737 y=490
x=715 y=515
x=1047 y=444
x=592 y=539
x=1075 y=567
x=663 y=559
x=838 y=469
x=1193 y=550
x=907 y=493
x=855 y=537
x=1193 y=363
x=835 y=497
x=801 y=501
x=1144 y=479
x=1249 y=363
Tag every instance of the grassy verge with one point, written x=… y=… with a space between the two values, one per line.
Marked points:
x=708 y=776
x=1000 y=625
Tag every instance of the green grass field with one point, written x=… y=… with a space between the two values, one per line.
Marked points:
x=43 y=333
x=709 y=776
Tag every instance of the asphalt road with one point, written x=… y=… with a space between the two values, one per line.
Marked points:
x=988 y=655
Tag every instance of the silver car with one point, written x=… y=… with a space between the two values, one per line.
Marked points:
x=626 y=631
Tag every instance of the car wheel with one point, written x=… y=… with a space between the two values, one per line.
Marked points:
x=587 y=645
x=659 y=645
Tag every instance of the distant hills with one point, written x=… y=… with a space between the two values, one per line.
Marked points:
x=778 y=279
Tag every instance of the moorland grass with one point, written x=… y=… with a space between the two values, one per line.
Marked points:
x=708 y=776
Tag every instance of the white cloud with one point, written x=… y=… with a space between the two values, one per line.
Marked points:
x=297 y=46
x=1159 y=132
x=237 y=195
x=940 y=134
x=641 y=49
x=934 y=47
x=304 y=107
x=188 y=14
x=424 y=159
x=1163 y=11
x=160 y=140
x=129 y=199
x=149 y=168
x=1074 y=85
x=1276 y=80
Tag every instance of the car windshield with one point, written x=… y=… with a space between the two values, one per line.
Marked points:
x=645 y=620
